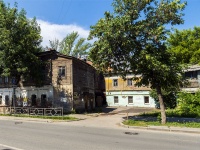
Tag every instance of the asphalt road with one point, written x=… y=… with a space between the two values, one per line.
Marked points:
x=23 y=135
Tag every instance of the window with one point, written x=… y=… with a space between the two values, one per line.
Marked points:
x=115 y=82
x=130 y=99
x=191 y=74
x=6 y=79
x=0 y=99
x=1 y=80
x=146 y=99
x=7 y=100
x=129 y=82
x=61 y=71
x=116 y=101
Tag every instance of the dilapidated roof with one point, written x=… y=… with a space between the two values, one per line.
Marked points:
x=192 y=68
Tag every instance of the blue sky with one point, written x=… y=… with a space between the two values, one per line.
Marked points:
x=57 y=18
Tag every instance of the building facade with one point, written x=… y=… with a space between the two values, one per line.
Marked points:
x=120 y=92
x=69 y=83
x=192 y=74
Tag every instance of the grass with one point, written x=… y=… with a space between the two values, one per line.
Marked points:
x=156 y=123
x=43 y=117
x=169 y=113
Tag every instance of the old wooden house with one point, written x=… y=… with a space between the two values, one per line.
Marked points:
x=192 y=74
x=69 y=83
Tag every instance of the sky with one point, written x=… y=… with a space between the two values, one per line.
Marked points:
x=57 y=18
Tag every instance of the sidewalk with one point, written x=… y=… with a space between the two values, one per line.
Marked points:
x=109 y=118
x=114 y=116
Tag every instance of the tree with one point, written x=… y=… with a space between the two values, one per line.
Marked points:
x=185 y=45
x=132 y=39
x=54 y=44
x=168 y=96
x=19 y=44
x=71 y=45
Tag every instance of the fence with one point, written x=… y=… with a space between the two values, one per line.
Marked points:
x=32 y=111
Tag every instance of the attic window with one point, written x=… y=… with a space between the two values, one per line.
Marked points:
x=61 y=71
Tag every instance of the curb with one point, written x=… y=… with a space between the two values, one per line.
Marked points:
x=165 y=128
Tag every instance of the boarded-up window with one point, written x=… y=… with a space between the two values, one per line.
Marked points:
x=130 y=99
x=146 y=99
x=116 y=99
x=115 y=82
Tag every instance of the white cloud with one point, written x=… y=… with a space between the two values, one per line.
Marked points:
x=51 y=31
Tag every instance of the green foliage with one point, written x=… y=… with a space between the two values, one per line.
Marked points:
x=155 y=123
x=132 y=39
x=54 y=44
x=168 y=96
x=172 y=113
x=185 y=44
x=19 y=44
x=189 y=103
x=71 y=45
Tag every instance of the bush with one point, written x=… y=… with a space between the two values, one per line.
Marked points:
x=168 y=96
x=189 y=103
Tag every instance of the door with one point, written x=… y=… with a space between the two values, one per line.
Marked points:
x=43 y=100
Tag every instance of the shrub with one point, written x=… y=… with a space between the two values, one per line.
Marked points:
x=189 y=103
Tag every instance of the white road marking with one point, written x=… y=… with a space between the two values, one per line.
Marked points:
x=10 y=147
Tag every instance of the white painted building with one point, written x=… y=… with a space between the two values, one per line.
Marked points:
x=121 y=92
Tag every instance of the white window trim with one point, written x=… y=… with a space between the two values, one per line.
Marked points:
x=128 y=99
x=117 y=99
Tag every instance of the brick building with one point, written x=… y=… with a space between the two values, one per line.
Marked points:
x=69 y=83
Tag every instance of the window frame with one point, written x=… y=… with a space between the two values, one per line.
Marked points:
x=116 y=98
x=130 y=99
x=1 y=80
x=115 y=84
x=1 y=98
x=129 y=82
x=61 y=71
x=6 y=80
x=146 y=99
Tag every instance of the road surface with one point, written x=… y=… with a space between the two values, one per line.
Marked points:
x=23 y=135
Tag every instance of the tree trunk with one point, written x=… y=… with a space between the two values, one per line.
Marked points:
x=162 y=106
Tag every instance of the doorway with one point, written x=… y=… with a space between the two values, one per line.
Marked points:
x=33 y=100
x=43 y=100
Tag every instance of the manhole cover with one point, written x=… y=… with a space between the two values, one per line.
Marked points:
x=131 y=133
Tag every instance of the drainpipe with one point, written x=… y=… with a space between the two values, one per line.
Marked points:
x=72 y=95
